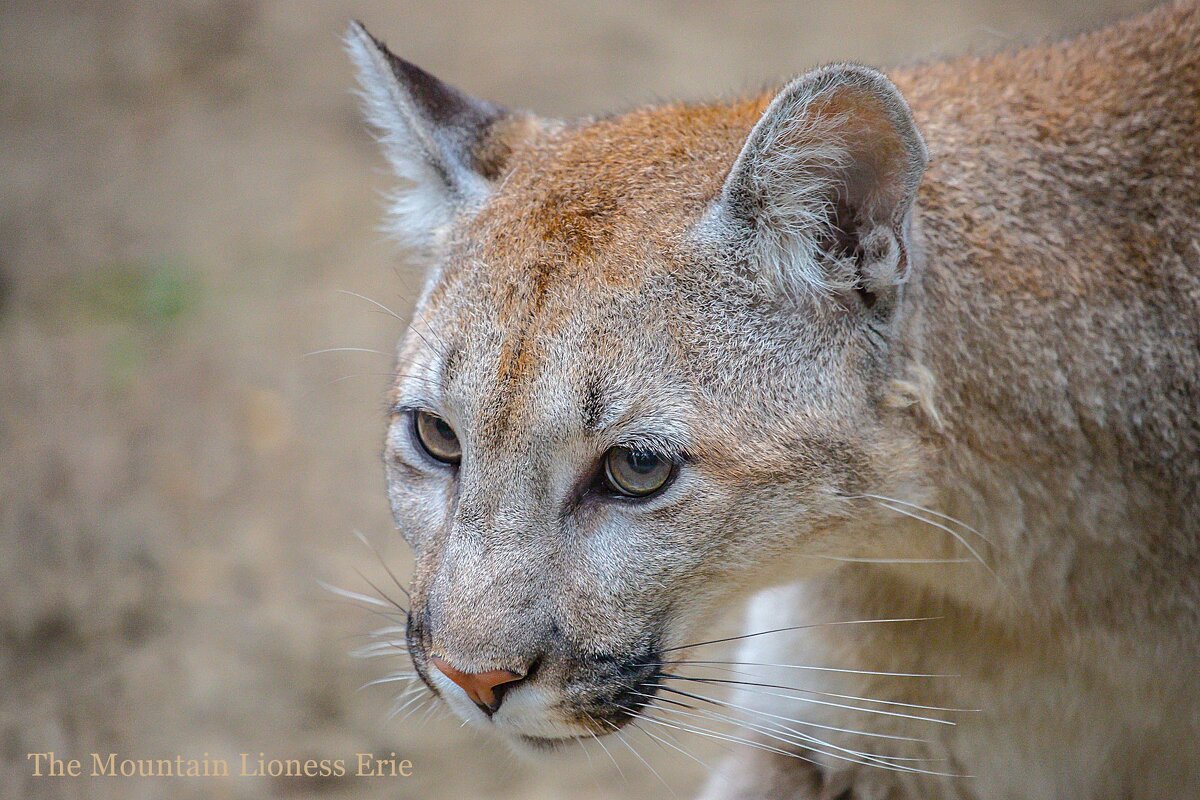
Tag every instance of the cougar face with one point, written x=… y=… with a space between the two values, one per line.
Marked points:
x=644 y=374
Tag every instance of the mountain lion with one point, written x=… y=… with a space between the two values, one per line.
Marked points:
x=912 y=361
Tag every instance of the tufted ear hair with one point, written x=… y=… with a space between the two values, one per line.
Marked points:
x=447 y=146
x=824 y=186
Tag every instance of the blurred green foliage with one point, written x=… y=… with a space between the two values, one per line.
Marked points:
x=151 y=293
x=147 y=299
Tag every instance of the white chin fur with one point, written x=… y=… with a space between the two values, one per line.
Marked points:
x=526 y=711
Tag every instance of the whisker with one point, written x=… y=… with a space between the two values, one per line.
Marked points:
x=798 y=628
x=380 y=648
x=808 y=742
x=393 y=678
x=807 y=723
x=605 y=749
x=379 y=556
x=346 y=350
x=814 y=701
x=929 y=511
x=382 y=593
x=381 y=375
x=819 y=669
x=865 y=560
x=638 y=756
x=958 y=536
x=785 y=736
x=663 y=742
x=805 y=738
x=400 y=707
x=349 y=595
x=724 y=737
x=816 y=692
x=375 y=303
x=387 y=310
x=413 y=304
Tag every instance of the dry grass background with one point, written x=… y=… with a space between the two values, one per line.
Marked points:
x=185 y=187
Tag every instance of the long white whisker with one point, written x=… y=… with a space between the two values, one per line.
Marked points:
x=346 y=350
x=929 y=511
x=379 y=557
x=799 y=628
x=375 y=303
x=620 y=771
x=750 y=684
x=821 y=669
x=356 y=596
x=804 y=722
x=395 y=677
x=664 y=742
x=638 y=756
x=831 y=704
x=814 y=744
x=959 y=537
x=773 y=728
x=866 y=560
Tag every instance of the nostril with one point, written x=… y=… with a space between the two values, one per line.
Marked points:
x=486 y=689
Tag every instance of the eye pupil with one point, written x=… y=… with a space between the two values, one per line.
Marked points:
x=642 y=462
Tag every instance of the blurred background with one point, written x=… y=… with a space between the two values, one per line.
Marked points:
x=185 y=188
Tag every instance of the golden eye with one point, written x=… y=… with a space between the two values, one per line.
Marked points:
x=436 y=437
x=636 y=473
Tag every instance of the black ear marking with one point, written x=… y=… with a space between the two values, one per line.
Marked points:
x=440 y=140
x=458 y=115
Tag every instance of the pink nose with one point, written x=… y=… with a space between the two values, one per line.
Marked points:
x=486 y=689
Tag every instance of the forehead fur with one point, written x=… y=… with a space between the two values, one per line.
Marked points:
x=576 y=279
x=584 y=199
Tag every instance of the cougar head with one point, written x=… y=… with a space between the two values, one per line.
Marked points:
x=644 y=378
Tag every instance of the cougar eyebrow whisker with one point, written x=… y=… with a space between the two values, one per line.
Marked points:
x=388 y=311
x=416 y=315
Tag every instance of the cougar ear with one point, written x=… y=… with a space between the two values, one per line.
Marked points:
x=824 y=186
x=439 y=140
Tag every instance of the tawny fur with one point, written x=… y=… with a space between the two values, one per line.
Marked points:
x=1038 y=378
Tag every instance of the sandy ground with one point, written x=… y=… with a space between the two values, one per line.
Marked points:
x=186 y=187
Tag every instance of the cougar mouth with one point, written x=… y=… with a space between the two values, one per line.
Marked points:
x=621 y=693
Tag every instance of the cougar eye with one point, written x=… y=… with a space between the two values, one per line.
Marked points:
x=636 y=473
x=436 y=437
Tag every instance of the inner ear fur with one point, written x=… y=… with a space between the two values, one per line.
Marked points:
x=449 y=148
x=825 y=184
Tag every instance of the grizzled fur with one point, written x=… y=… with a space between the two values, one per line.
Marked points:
x=808 y=310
